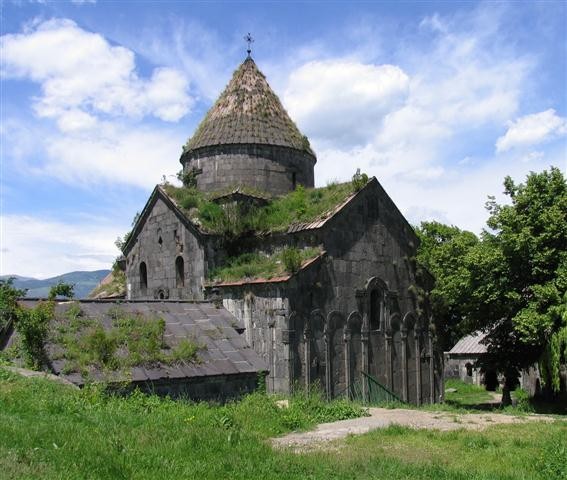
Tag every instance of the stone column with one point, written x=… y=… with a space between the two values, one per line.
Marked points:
x=328 y=339
x=364 y=338
x=431 y=369
x=389 y=362
x=417 y=366
x=307 y=340
x=404 y=335
x=287 y=340
x=347 y=337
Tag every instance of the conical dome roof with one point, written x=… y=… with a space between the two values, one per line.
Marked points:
x=248 y=112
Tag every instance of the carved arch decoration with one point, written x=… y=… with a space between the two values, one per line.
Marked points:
x=394 y=323
x=313 y=329
x=376 y=283
x=354 y=322
x=376 y=308
x=316 y=321
x=292 y=321
x=409 y=322
x=334 y=321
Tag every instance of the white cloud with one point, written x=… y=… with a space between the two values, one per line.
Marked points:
x=41 y=248
x=81 y=72
x=458 y=85
x=113 y=154
x=343 y=100
x=532 y=130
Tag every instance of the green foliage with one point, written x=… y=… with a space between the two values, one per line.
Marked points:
x=259 y=265
x=512 y=282
x=443 y=251
x=33 y=326
x=50 y=431
x=523 y=403
x=187 y=350
x=466 y=395
x=116 y=286
x=132 y=340
x=232 y=220
x=187 y=178
x=552 y=461
x=291 y=258
x=555 y=352
x=61 y=290
x=359 y=180
x=8 y=305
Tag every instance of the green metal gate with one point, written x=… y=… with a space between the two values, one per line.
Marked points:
x=376 y=393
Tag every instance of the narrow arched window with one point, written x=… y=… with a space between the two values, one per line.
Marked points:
x=143 y=276
x=179 y=272
x=375 y=309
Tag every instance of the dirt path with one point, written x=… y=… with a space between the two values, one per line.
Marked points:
x=382 y=417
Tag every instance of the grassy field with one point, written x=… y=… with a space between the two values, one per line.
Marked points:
x=50 y=431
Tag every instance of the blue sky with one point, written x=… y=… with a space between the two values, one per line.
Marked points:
x=438 y=100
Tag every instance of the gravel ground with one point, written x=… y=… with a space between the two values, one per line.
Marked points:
x=383 y=417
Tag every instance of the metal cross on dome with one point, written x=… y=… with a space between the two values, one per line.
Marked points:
x=248 y=38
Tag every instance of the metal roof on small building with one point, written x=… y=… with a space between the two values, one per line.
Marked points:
x=226 y=352
x=470 y=345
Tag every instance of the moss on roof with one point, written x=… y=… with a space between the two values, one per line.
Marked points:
x=248 y=111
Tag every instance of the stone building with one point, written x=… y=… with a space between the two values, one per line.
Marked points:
x=359 y=305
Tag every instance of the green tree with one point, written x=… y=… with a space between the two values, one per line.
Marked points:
x=510 y=284
x=443 y=251
x=8 y=301
x=524 y=272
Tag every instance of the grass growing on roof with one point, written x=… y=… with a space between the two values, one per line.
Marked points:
x=259 y=265
x=299 y=206
x=87 y=344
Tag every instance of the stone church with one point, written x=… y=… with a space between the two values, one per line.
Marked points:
x=357 y=312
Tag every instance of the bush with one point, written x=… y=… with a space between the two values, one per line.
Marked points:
x=188 y=179
x=33 y=325
x=61 y=290
x=523 y=402
x=291 y=258
x=8 y=305
x=359 y=180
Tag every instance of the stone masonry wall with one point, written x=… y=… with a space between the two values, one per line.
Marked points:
x=161 y=241
x=220 y=388
x=263 y=312
x=334 y=326
x=267 y=168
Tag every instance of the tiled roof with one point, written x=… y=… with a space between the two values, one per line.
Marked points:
x=471 y=344
x=226 y=351
x=248 y=111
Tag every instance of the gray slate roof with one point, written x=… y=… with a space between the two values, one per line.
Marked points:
x=471 y=344
x=226 y=353
x=248 y=112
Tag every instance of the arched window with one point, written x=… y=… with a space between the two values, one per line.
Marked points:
x=143 y=276
x=179 y=272
x=375 y=309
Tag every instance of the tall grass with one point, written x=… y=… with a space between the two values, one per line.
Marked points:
x=51 y=432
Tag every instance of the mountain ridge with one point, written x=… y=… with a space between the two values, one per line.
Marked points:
x=84 y=282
